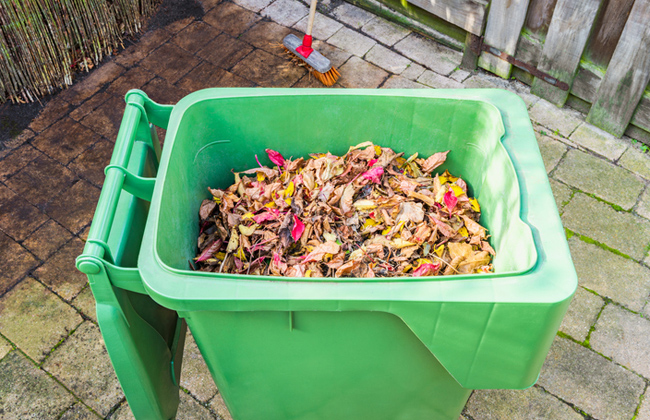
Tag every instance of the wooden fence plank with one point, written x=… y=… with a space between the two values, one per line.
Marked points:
x=467 y=14
x=607 y=30
x=627 y=75
x=565 y=42
x=502 y=31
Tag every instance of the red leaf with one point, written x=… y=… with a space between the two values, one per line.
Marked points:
x=371 y=162
x=209 y=251
x=374 y=175
x=298 y=228
x=450 y=200
x=276 y=157
x=269 y=214
x=426 y=270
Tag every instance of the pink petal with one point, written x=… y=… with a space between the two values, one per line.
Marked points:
x=426 y=270
x=276 y=157
x=209 y=251
x=450 y=200
x=298 y=228
x=371 y=162
x=269 y=214
x=374 y=175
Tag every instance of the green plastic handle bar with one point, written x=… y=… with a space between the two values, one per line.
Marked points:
x=140 y=115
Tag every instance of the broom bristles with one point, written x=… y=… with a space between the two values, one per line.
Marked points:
x=328 y=78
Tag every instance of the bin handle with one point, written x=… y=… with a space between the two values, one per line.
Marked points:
x=140 y=116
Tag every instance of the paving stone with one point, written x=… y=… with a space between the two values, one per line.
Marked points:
x=254 y=5
x=190 y=409
x=622 y=231
x=437 y=81
x=51 y=113
x=610 y=275
x=135 y=78
x=35 y=319
x=413 y=71
x=398 y=82
x=268 y=36
x=47 y=239
x=209 y=4
x=41 y=179
x=623 y=336
x=79 y=412
x=582 y=314
x=599 y=177
x=170 y=62
x=14 y=256
x=551 y=150
x=601 y=142
x=436 y=57
x=478 y=81
x=27 y=392
x=195 y=376
x=644 y=411
x=460 y=75
x=85 y=302
x=65 y=140
x=324 y=27
x=74 y=208
x=643 y=206
x=357 y=73
x=352 y=15
x=5 y=347
x=90 y=377
x=387 y=59
x=384 y=31
x=268 y=70
x=508 y=404
x=95 y=81
x=636 y=161
x=337 y=56
x=181 y=24
x=149 y=42
x=90 y=164
x=207 y=75
x=195 y=36
x=352 y=41
x=91 y=104
x=554 y=118
x=561 y=193
x=285 y=12
x=18 y=218
x=163 y=92
x=8 y=145
x=219 y=407
x=122 y=413
x=106 y=119
x=231 y=19
x=59 y=271
x=581 y=377
x=225 y=51
x=16 y=160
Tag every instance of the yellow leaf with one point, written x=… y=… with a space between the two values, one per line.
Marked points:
x=458 y=191
x=407 y=268
x=308 y=273
x=247 y=230
x=240 y=254
x=270 y=205
x=260 y=177
x=378 y=150
x=463 y=232
x=386 y=231
x=288 y=201
x=450 y=177
x=289 y=191
x=400 y=225
x=421 y=261
x=369 y=223
x=220 y=255
x=247 y=216
x=443 y=179
x=217 y=200
x=474 y=203
x=400 y=243
x=439 y=250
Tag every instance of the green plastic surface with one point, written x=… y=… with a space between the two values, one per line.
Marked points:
x=398 y=348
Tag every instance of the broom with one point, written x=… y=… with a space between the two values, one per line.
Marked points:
x=316 y=63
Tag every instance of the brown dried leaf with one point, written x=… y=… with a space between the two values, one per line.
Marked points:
x=347 y=268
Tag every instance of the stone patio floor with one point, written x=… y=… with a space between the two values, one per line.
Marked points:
x=50 y=178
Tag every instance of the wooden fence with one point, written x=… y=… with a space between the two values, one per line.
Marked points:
x=594 y=54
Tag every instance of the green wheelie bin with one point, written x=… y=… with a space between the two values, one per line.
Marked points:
x=322 y=348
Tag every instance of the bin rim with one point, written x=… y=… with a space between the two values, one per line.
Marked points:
x=525 y=286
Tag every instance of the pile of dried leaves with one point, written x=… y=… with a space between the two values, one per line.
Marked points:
x=370 y=213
